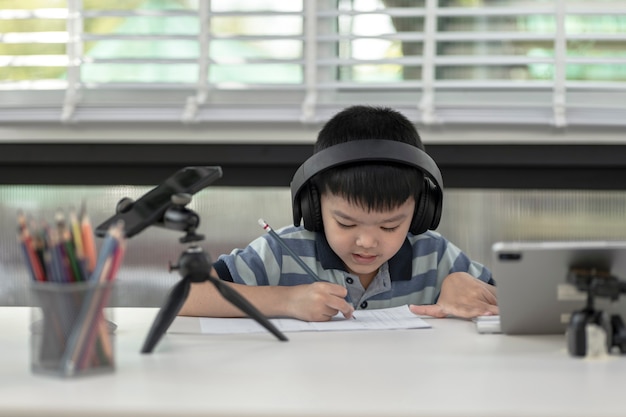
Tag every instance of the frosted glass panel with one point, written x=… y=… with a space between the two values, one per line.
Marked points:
x=472 y=219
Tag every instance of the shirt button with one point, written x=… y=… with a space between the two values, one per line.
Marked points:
x=364 y=305
x=349 y=280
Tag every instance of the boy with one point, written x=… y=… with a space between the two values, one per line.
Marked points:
x=367 y=206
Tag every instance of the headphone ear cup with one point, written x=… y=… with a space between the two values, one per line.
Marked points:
x=419 y=225
x=427 y=209
x=311 y=209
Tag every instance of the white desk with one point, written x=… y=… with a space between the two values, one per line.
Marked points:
x=449 y=370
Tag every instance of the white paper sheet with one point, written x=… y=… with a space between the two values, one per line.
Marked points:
x=383 y=319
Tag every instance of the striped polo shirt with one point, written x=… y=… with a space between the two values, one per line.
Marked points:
x=412 y=276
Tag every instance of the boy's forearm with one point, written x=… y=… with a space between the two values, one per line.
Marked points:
x=205 y=300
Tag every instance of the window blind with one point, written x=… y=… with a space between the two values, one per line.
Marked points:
x=551 y=63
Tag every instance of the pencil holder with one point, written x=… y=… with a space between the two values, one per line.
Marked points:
x=71 y=329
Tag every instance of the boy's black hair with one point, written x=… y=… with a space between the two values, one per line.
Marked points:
x=373 y=186
x=367 y=122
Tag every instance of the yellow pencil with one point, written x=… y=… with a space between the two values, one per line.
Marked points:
x=89 y=244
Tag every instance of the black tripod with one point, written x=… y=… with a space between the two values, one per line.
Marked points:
x=595 y=282
x=194 y=266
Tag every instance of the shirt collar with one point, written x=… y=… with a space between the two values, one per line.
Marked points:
x=400 y=265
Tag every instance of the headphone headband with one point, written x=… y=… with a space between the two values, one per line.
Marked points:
x=373 y=150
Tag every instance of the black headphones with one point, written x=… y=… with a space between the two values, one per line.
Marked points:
x=305 y=196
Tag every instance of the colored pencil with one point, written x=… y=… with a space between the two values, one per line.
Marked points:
x=36 y=268
x=88 y=242
x=78 y=354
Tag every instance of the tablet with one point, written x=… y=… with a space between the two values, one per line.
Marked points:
x=534 y=295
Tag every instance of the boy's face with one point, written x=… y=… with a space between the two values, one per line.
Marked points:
x=364 y=240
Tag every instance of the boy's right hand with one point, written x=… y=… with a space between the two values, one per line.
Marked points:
x=319 y=301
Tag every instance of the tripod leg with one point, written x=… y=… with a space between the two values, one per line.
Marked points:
x=167 y=314
x=619 y=332
x=240 y=302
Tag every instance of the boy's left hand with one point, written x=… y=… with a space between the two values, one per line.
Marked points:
x=463 y=296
